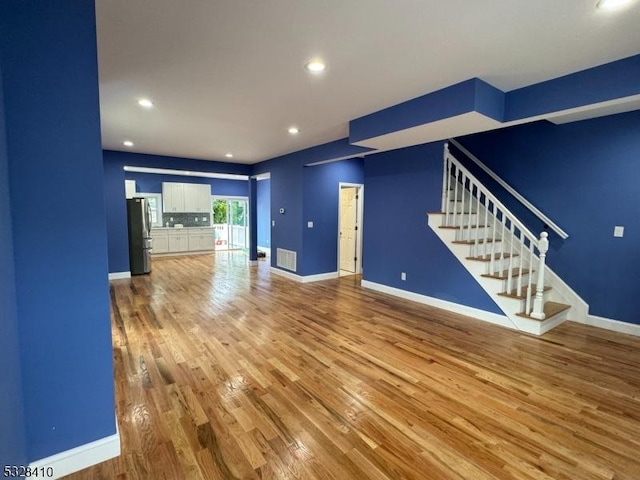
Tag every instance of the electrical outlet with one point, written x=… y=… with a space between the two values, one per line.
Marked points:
x=403 y=276
x=618 y=231
x=309 y=224
x=273 y=223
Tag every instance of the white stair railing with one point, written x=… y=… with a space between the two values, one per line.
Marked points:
x=519 y=250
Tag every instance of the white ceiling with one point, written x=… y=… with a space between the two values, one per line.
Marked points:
x=228 y=76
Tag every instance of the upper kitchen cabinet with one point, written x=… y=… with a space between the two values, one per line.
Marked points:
x=197 y=198
x=186 y=197
x=172 y=197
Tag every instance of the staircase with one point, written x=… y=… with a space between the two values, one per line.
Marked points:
x=503 y=256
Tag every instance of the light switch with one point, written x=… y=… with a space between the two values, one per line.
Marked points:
x=618 y=231
x=309 y=224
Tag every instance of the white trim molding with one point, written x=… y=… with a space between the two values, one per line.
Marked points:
x=119 y=275
x=253 y=263
x=614 y=325
x=79 y=458
x=483 y=315
x=304 y=278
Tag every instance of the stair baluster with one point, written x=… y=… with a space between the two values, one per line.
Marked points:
x=510 y=269
x=464 y=189
x=476 y=250
x=521 y=263
x=446 y=172
x=486 y=225
x=538 y=302
x=494 y=213
x=455 y=199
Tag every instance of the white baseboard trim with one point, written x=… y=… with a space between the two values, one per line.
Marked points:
x=119 y=275
x=253 y=263
x=483 y=315
x=614 y=325
x=304 y=278
x=79 y=458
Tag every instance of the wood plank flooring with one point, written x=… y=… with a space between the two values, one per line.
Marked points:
x=224 y=371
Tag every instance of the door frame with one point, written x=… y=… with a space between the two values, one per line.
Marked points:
x=230 y=198
x=359 y=223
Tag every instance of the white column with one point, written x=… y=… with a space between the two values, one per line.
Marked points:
x=538 y=301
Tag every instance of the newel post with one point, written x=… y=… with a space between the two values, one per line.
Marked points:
x=538 y=301
x=444 y=177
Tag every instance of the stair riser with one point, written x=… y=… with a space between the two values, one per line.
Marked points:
x=473 y=232
x=502 y=284
x=500 y=265
x=518 y=305
x=462 y=219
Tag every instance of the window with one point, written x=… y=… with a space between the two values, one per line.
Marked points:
x=155 y=204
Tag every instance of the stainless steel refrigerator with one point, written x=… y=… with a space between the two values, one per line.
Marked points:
x=139 y=219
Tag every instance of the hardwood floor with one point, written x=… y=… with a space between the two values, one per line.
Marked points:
x=224 y=371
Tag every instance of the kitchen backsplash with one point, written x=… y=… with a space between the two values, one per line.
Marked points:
x=186 y=219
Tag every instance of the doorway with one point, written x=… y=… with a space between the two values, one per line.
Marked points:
x=350 y=202
x=231 y=223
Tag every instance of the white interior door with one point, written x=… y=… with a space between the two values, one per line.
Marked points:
x=348 y=228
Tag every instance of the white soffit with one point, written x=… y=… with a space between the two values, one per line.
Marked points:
x=186 y=173
x=619 y=105
x=465 y=124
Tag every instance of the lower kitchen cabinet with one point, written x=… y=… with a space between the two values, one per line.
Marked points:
x=201 y=239
x=160 y=242
x=183 y=240
x=178 y=241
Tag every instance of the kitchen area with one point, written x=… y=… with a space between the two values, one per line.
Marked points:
x=185 y=218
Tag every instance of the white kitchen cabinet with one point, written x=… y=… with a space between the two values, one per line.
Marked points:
x=201 y=239
x=186 y=197
x=178 y=241
x=160 y=242
x=197 y=198
x=172 y=197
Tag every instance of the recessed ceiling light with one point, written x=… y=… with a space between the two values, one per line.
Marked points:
x=128 y=143
x=315 y=66
x=229 y=155
x=293 y=130
x=612 y=4
x=145 y=103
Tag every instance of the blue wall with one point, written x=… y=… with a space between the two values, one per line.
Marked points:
x=12 y=439
x=584 y=176
x=286 y=192
x=114 y=177
x=289 y=179
x=400 y=187
x=321 y=198
x=264 y=213
x=55 y=168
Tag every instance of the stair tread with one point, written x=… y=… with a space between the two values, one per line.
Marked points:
x=496 y=256
x=473 y=242
x=515 y=272
x=514 y=292
x=551 y=309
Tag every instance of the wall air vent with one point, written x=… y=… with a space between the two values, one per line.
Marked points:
x=286 y=259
